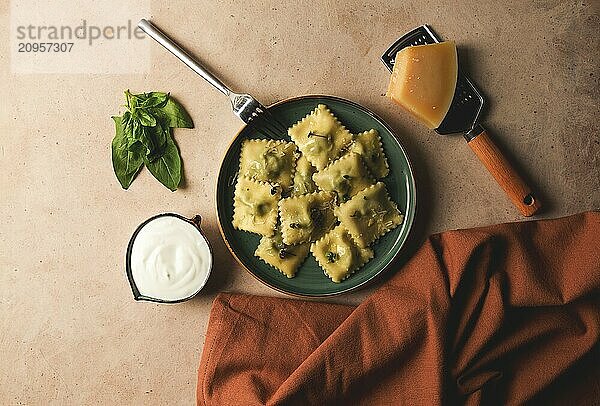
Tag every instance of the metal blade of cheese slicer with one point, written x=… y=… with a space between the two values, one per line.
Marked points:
x=463 y=117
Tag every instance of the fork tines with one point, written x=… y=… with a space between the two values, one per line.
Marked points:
x=251 y=112
x=265 y=122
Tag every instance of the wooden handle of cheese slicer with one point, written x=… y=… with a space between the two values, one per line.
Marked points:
x=506 y=176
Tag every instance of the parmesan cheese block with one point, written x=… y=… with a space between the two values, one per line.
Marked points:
x=424 y=79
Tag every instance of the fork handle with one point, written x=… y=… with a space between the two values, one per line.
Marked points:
x=501 y=169
x=176 y=50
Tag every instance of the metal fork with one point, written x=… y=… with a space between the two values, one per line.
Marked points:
x=246 y=107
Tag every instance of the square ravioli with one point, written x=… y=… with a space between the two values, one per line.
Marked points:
x=320 y=137
x=255 y=206
x=303 y=182
x=339 y=255
x=347 y=176
x=285 y=258
x=368 y=145
x=268 y=161
x=307 y=217
x=369 y=215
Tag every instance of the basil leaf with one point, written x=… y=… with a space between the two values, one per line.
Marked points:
x=126 y=118
x=136 y=132
x=173 y=114
x=133 y=131
x=155 y=99
x=167 y=168
x=153 y=139
x=131 y=100
x=128 y=124
x=144 y=136
x=126 y=162
x=157 y=136
x=146 y=119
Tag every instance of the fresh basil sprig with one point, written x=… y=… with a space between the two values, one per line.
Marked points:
x=143 y=136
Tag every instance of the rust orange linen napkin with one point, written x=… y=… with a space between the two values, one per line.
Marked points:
x=506 y=314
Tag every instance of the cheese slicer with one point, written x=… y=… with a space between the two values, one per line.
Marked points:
x=463 y=117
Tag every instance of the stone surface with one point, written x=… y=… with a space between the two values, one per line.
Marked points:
x=70 y=332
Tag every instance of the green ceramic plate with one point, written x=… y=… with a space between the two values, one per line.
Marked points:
x=310 y=280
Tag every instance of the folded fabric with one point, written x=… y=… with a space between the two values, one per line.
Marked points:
x=506 y=314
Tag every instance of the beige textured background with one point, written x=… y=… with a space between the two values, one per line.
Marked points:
x=70 y=332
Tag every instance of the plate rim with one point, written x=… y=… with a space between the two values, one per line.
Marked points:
x=412 y=213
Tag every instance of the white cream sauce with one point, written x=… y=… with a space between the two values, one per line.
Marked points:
x=170 y=259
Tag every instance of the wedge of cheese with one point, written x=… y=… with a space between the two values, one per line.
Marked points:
x=424 y=79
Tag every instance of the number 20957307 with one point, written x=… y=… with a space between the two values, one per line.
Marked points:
x=45 y=46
